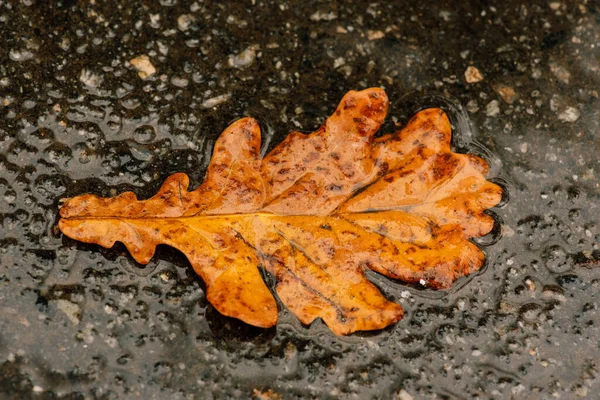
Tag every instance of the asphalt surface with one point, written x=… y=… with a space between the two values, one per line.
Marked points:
x=78 y=321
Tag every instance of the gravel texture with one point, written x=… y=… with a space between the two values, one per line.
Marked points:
x=78 y=115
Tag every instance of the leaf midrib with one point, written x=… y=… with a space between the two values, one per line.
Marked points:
x=241 y=215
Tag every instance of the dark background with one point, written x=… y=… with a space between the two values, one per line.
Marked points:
x=78 y=321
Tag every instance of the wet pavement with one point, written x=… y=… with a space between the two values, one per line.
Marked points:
x=78 y=115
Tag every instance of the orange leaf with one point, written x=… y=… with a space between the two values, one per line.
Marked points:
x=314 y=212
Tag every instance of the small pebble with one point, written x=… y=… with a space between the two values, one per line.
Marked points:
x=180 y=82
x=144 y=66
x=493 y=108
x=243 y=59
x=215 y=101
x=184 y=21
x=560 y=72
x=473 y=75
x=569 y=114
x=71 y=310
x=472 y=106
x=404 y=395
x=374 y=35
x=20 y=55
x=338 y=62
x=555 y=5
x=507 y=93
x=89 y=78
x=323 y=16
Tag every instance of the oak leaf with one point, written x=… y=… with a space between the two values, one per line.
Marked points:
x=315 y=213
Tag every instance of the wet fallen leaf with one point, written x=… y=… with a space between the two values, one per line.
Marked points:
x=315 y=212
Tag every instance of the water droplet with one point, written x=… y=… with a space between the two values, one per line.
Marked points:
x=557 y=259
x=144 y=134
